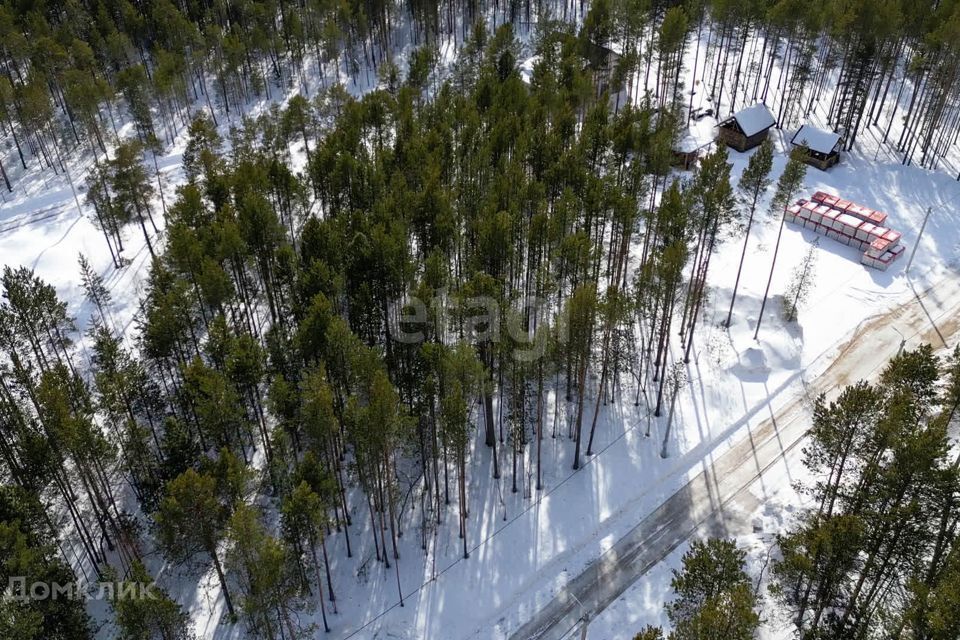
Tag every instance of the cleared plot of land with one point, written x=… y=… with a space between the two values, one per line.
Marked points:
x=713 y=502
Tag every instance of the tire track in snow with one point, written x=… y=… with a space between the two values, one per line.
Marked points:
x=18 y=222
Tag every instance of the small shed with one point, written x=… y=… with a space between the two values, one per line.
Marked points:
x=746 y=128
x=685 y=153
x=687 y=150
x=821 y=148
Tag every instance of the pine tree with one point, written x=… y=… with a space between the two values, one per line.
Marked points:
x=95 y=290
x=192 y=518
x=27 y=553
x=714 y=205
x=143 y=611
x=676 y=378
x=613 y=313
x=298 y=120
x=125 y=396
x=244 y=365
x=304 y=521
x=789 y=183
x=670 y=47
x=882 y=478
x=714 y=597
x=800 y=284
x=659 y=280
x=941 y=620
x=216 y=407
x=261 y=564
x=462 y=378
x=201 y=157
x=581 y=316
x=134 y=85
x=106 y=215
x=753 y=182
x=131 y=190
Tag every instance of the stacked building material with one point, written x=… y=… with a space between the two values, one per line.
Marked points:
x=864 y=213
x=851 y=224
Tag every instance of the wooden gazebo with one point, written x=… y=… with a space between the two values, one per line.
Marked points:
x=821 y=148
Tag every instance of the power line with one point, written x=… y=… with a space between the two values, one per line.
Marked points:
x=923 y=226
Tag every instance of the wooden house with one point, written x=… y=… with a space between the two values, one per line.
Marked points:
x=746 y=128
x=821 y=148
x=602 y=60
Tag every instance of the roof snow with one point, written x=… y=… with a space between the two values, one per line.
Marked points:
x=697 y=136
x=816 y=139
x=755 y=119
x=688 y=144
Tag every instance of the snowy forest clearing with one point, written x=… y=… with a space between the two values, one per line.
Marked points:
x=526 y=546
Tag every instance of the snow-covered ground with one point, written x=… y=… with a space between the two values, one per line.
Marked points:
x=642 y=604
x=524 y=548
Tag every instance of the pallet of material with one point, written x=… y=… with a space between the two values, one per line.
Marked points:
x=884 y=260
x=843 y=223
x=864 y=213
x=828 y=217
x=825 y=198
x=791 y=212
x=877 y=248
x=866 y=231
x=892 y=236
x=848 y=223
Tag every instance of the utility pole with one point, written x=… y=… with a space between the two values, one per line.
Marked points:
x=903 y=340
x=584 y=617
x=917 y=242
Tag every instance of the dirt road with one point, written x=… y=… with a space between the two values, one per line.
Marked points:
x=711 y=500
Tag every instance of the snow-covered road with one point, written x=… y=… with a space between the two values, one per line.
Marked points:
x=713 y=502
